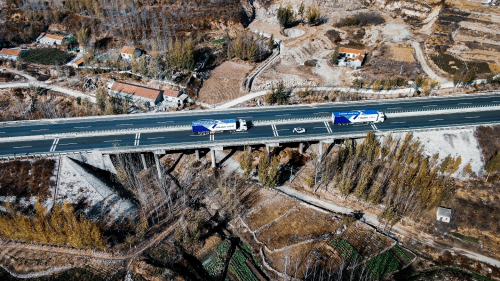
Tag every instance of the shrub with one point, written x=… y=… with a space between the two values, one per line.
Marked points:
x=46 y=56
x=494 y=164
x=313 y=15
x=377 y=85
x=362 y=19
x=285 y=16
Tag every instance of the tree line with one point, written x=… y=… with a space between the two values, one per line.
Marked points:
x=61 y=226
x=395 y=173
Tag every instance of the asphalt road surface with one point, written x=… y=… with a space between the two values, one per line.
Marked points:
x=269 y=131
x=140 y=121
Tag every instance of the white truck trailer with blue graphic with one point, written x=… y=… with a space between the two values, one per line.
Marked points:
x=357 y=116
x=215 y=126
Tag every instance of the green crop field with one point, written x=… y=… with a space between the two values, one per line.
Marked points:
x=346 y=250
x=380 y=266
x=238 y=266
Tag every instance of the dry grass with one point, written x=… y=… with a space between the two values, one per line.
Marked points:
x=270 y=212
x=402 y=54
x=300 y=257
x=299 y=225
x=224 y=83
x=495 y=67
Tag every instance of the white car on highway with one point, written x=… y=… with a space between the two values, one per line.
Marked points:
x=299 y=130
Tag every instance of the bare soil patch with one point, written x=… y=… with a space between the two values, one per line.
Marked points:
x=225 y=83
x=404 y=54
x=299 y=225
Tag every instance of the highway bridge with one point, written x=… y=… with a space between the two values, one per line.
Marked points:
x=161 y=132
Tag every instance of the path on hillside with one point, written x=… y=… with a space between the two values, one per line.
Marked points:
x=423 y=63
x=48 y=87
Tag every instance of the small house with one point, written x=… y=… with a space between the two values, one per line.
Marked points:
x=77 y=62
x=173 y=96
x=128 y=52
x=137 y=92
x=351 y=57
x=10 y=54
x=443 y=214
x=49 y=39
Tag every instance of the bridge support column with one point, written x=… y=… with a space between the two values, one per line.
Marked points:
x=320 y=151
x=143 y=159
x=301 y=147
x=212 y=155
x=268 y=149
x=197 y=152
x=157 y=161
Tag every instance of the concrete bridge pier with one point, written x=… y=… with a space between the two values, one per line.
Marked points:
x=212 y=156
x=269 y=145
x=143 y=159
x=301 y=147
x=157 y=161
x=321 y=146
x=197 y=152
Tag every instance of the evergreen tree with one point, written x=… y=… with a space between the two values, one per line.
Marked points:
x=285 y=16
x=271 y=44
x=335 y=56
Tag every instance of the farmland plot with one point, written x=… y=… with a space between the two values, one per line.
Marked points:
x=268 y=212
x=299 y=225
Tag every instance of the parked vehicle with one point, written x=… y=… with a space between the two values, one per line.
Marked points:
x=216 y=126
x=299 y=130
x=358 y=116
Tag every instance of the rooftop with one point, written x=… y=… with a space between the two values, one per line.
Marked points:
x=128 y=50
x=352 y=51
x=135 y=90
x=172 y=93
x=444 y=212
x=51 y=36
x=10 y=52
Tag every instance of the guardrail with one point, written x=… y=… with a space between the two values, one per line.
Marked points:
x=243 y=142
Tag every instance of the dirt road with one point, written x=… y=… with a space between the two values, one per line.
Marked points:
x=421 y=59
x=48 y=87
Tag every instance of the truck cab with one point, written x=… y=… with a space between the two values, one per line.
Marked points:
x=381 y=117
x=241 y=126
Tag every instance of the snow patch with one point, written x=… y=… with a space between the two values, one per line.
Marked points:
x=461 y=142
x=294 y=32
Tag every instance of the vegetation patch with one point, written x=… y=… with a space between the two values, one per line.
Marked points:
x=218 y=41
x=361 y=19
x=346 y=250
x=455 y=65
x=26 y=178
x=379 y=266
x=61 y=226
x=238 y=266
x=46 y=56
x=465 y=238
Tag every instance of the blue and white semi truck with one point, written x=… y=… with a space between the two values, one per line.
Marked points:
x=215 y=126
x=357 y=116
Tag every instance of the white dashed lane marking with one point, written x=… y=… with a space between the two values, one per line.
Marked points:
x=54 y=145
x=137 y=139
x=275 y=131
x=328 y=128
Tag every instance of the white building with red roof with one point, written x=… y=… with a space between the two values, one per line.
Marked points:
x=351 y=57
x=50 y=39
x=10 y=54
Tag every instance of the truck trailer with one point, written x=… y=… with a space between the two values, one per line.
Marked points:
x=357 y=116
x=216 y=126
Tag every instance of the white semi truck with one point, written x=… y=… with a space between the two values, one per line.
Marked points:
x=215 y=126
x=358 y=116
